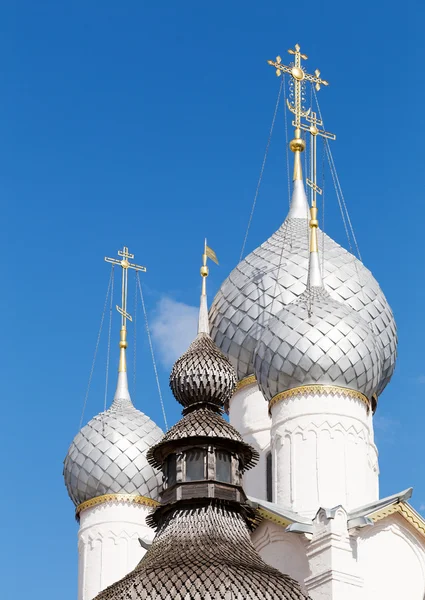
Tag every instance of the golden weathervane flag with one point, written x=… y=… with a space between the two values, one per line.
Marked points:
x=211 y=254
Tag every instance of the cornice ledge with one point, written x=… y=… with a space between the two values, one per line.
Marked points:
x=124 y=498
x=329 y=575
x=249 y=380
x=318 y=390
x=406 y=511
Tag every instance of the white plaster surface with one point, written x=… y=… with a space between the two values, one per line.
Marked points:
x=392 y=558
x=284 y=551
x=108 y=545
x=385 y=561
x=323 y=454
x=248 y=413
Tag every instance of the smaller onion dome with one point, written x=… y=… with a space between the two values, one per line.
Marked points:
x=203 y=381
x=318 y=340
x=108 y=455
x=203 y=374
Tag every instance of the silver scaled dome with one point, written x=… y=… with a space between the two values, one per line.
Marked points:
x=108 y=455
x=318 y=340
x=257 y=290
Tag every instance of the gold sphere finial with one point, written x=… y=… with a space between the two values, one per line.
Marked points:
x=204 y=271
x=297 y=145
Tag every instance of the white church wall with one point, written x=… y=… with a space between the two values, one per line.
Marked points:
x=108 y=544
x=284 y=551
x=248 y=413
x=323 y=453
x=391 y=555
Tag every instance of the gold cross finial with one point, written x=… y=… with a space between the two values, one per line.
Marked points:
x=298 y=75
x=313 y=129
x=125 y=265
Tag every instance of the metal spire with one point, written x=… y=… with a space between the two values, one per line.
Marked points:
x=314 y=272
x=125 y=265
x=298 y=74
x=203 y=323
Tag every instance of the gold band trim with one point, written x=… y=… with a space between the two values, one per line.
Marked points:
x=128 y=498
x=279 y=520
x=318 y=390
x=245 y=382
x=407 y=511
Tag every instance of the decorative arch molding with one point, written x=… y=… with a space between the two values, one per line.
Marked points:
x=323 y=461
x=307 y=407
x=359 y=432
x=97 y=535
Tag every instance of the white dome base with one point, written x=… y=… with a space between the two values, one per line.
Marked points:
x=108 y=544
x=248 y=413
x=324 y=453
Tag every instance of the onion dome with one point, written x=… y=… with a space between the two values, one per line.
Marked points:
x=275 y=274
x=108 y=455
x=203 y=374
x=202 y=548
x=317 y=340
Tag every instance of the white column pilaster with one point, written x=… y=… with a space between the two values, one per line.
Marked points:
x=332 y=558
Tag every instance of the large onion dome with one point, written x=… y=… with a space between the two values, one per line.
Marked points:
x=257 y=290
x=108 y=455
x=318 y=340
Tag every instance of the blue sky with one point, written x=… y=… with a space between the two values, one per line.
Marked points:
x=145 y=124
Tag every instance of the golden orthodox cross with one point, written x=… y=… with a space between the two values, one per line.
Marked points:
x=312 y=128
x=298 y=75
x=125 y=264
